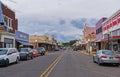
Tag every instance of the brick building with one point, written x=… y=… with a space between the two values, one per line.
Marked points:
x=8 y=25
x=89 y=35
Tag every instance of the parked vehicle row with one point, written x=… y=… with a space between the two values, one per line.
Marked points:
x=41 y=50
x=12 y=55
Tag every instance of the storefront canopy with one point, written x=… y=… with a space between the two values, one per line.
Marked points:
x=24 y=43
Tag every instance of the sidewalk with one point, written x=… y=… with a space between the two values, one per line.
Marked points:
x=84 y=52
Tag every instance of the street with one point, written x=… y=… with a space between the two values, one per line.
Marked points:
x=63 y=63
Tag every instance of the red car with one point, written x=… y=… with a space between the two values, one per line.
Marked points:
x=35 y=53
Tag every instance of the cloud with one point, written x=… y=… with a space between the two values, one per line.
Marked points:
x=62 y=29
x=62 y=18
x=65 y=8
x=62 y=22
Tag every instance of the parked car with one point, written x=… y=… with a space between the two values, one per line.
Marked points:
x=26 y=53
x=35 y=52
x=106 y=56
x=9 y=55
x=57 y=49
x=41 y=50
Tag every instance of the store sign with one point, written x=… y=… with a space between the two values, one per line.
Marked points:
x=115 y=42
x=21 y=36
x=2 y=28
x=1 y=18
x=112 y=24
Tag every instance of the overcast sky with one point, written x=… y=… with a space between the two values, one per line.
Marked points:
x=55 y=16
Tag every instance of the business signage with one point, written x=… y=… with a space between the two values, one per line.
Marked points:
x=2 y=28
x=21 y=36
x=114 y=21
x=1 y=18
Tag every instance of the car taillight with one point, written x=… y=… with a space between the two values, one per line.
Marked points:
x=103 y=57
x=117 y=57
x=33 y=52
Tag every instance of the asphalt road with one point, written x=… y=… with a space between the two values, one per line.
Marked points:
x=66 y=63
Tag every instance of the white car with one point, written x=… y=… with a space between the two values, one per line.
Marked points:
x=9 y=55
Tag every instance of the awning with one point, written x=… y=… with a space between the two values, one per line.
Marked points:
x=24 y=43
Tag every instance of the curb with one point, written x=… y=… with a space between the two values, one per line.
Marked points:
x=86 y=53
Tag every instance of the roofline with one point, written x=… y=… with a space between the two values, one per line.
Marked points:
x=111 y=16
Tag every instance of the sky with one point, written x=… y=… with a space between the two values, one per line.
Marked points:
x=64 y=19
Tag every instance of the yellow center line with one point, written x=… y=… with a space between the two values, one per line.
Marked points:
x=51 y=67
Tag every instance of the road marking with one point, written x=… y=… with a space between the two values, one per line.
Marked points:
x=51 y=67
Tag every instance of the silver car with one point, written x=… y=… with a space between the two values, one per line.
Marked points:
x=106 y=56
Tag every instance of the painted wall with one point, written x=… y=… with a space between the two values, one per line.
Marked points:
x=98 y=25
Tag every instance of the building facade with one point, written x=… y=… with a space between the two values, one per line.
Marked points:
x=89 y=35
x=111 y=31
x=8 y=25
x=48 y=42
x=99 y=33
x=22 y=40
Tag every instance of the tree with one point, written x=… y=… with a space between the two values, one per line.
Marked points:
x=70 y=43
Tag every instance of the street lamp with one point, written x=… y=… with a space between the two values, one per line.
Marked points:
x=36 y=43
x=108 y=34
x=89 y=46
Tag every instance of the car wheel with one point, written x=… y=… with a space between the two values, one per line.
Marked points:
x=17 y=60
x=27 y=57
x=7 y=62
x=41 y=54
x=31 y=57
x=117 y=65
x=94 y=60
x=99 y=63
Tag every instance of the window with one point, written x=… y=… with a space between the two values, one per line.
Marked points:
x=10 y=51
x=7 y=20
x=119 y=32
x=114 y=33
x=107 y=52
x=99 y=30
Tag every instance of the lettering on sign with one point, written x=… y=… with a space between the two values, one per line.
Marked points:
x=22 y=36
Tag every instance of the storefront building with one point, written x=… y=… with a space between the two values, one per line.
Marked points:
x=89 y=35
x=111 y=31
x=48 y=42
x=22 y=39
x=7 y=40
x=99 y=33
x=8 y=25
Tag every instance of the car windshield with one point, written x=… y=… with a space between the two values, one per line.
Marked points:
x=3 y=51
x=108 y=52
x=24 y=50
x=118 y=52
x=32 y=50
x=39 y=48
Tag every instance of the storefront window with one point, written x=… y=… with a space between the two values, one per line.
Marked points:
x=114 y=33
x=7 y=46
x=119 y=32
x=8 y=43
